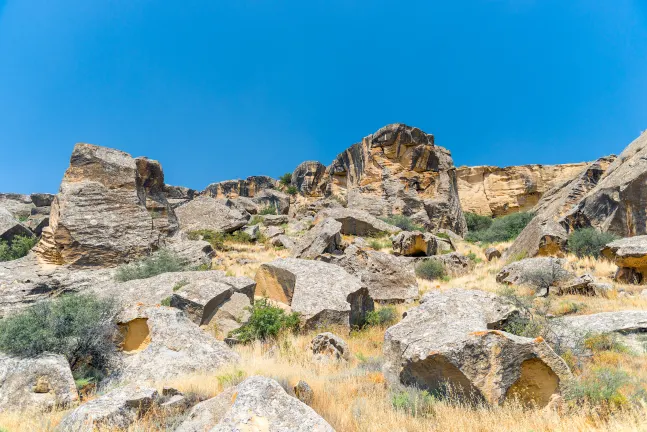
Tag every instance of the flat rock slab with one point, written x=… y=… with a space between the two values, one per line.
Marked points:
x=210 y=214
x=357 y=222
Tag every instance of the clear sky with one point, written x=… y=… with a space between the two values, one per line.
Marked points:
x=219 y=89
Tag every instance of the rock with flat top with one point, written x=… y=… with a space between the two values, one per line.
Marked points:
x=206 y=213
x=630 y=255
x=357 y=222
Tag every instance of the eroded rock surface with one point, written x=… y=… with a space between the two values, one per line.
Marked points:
x=415 y=243
x=241 y=188
x=630 y=255
x=328 y=347
x=357 y=222
x=210 y=214
x=323 y=237
x=307 y=178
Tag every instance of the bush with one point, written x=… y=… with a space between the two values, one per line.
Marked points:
x=476 y=222
x=413 y=402
x=502 y=229
x=286 y=179
x=543 y=278
x=163 y=261
x=266 y=321
x=292 y=190
x=380 y=243
x=271 y=210
x=77 y=326
x=605 y=342
x=18 y=248
x=601 y=387
x=430 y=270
x=382 y=317
x=403 y=222
x=589 y=242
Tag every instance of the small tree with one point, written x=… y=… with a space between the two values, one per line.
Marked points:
x=544 y=278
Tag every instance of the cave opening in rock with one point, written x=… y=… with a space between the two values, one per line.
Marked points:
x=536 y=384
x=136 y=335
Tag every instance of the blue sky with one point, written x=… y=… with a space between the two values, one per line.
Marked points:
x=216 y=90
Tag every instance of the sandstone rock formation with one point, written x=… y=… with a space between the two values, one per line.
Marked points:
x=357 y=222
x=210 y=214
x=494 y=191
x=205 y=415
x=110 y=209
x=161 y=342
x=323 y=237
x=307 y=178
x=117 y=409
x=262 y=404
x=240 y=188
x=42 y=383
x=33 y=210
x=452 y=339
x=270 y=198
x=323 y=294
x=415 y=243
x=328 y=347
x=630 y=255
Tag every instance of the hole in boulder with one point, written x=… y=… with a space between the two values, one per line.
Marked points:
x=136 y=335
x=536 y=384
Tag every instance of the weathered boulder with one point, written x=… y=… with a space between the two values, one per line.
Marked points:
x=399 y=170
x=273 y=198
x=208 y=213
x=571 y=331
x=10 y=227
x=42 y=199
x=328 y=347
x=242 y=204
x=232 y=314
x=275 y=220
x=415 y=243
x=357 y=222
x=451 y=342
x=262 y=404
x=117 y=409
x=272 y=232
x=323 y=294
x=307 y=178
x=492 y=253
x=495 y=191
x=202 y=298
x=252 y=231
x=161 y=342
x=282 y=240
x=527 y=271
x=389 y=278
x=110 y=209
x=303 y=392
x=179 y=195
x=630 y=255
x=323 y=237
x=43 y=383
x=240 y=188
x=18 y=205
x=203 y=416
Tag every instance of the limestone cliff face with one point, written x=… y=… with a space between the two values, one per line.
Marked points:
x=398 y=170
x=494 y=191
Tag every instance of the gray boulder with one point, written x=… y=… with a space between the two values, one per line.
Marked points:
x=357 y=222
x=273 y=198
x=323 y=237
x=43 y=383
x=117 y=409
x=492 y=253
x=282 y=241
x=452 y=341
x=307 y=178
x=262 y=404
x=327 y=347
x=630 y=255
x=10 y=227
x=211 y=214
x=203 y=416
x=415 y=243
x=323 y=294
x=243 y=204
x=252 y=231
x=275 y=220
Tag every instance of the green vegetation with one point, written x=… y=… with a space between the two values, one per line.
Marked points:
x=18 y=248
x=476 y=222
x=605 y=342
x=403 y=222
x=162 y=261
x=380 y=243
x=382 y=317
x=589 y=242
x=255 y=220
x=286 y=179
x=430 y=270
x=266 y=322
x=77 y=326
x=292 y=190
x=501 y=229
x=231 y=379
x=601 y=387
x=473 y=257
x=178 y=286
x=217 y=239
x=413 y=401
x=270 y=210
x=166 y=301
x=442 y=235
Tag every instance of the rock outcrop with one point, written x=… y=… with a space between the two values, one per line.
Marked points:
x=630 y=255
x=240 y=188
x=43 y=383
x=110 y=209
x=33 y=210
x=308 y=177
x=328 y=347
x=10 y=227
x=494 y=191
x=451 y=342
x=210 y=214
x=323 y=237
x=357 y=222
x=415 y=243
x=323 y=294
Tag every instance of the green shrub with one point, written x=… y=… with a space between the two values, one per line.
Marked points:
x=239 y=237
x=414 y=402
x=270 y=210
x=77 y=326
x=473 y=257
x=380 y=243
x=442 y=235
x=589 y=242
x=255 y=220
x=501 y=229
x=215 y=239
x=382 y=317
x=525 y=326
x=605 y=342
x=166 y=301
x=18 y=248
x=162 y=261
x=286 y=179
x=430 y=270
x=601 y=387
x=266 y=321
x=292 y=190
x=231 y=379
x=476 y=222
x=403 y=222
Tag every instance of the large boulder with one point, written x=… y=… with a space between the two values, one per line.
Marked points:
x=307 y=178
x=262 y=404
x=42 y=383
x=241 y=188
x=571 y=331
x=206 y=213
x=18 y=205
x=630 y=255
x=524 y=271
x=415 y=243
x=357 y=222
x=110 y=209
x=452 y=342
x=117 y=409
x=205 y=415
x=399 y=170
x=272 y=198
x=161 y=342
x=10 y=227
x=323 y=237
x=323 y=294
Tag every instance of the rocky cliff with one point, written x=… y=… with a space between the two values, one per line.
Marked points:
x=494 y=191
